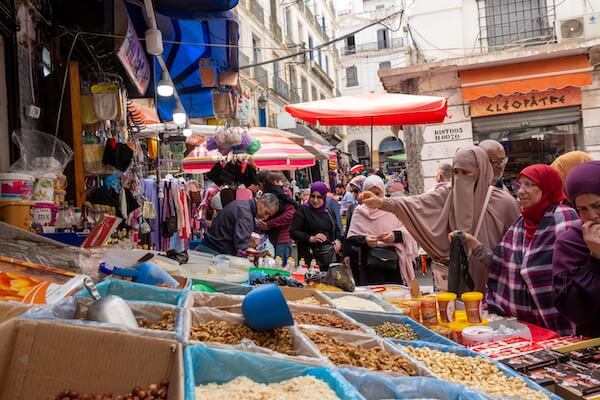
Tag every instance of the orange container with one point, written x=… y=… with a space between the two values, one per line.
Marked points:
x=17 y=213
x=429 y=310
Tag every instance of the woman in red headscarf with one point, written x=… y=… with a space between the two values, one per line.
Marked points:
x=520 y=280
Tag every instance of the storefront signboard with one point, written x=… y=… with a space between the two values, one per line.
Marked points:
x=555 y=98
x=448 y=132
x=133 y=57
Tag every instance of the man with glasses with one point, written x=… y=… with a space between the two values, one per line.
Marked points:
x=498 y=159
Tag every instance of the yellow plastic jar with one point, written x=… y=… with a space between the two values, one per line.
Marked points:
x=447 y=306
x=473 y=306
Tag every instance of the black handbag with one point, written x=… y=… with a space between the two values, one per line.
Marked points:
x=325 y=253
x=382 y=257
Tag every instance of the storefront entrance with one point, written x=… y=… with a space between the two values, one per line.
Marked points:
x=531 y=137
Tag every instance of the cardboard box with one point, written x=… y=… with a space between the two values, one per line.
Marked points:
x=11 y=309
x=43 y=358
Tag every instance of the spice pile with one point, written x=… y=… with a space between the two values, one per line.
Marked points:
x=390 y=330
x=324 y=287
x=475 y=372
x=279 y=340
x=167 y=322
x=357 y=303
x=374 y=358
x=300 y=388
x=324 y=319
x=153 y=392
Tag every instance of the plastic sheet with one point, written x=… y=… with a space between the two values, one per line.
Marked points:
x=27 y=246
x=41 y=153
x=66 y=311
x=305 y=349
x=204 y=365
x=371 y=319
x=226 y=287
x=463 y=351
x=215 y=300
x=137 y=292
x=378 y=386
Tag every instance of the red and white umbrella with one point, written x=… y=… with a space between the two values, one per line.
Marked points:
x=357 y=168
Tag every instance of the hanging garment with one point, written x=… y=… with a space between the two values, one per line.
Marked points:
x=106 y=101
x=150 y=190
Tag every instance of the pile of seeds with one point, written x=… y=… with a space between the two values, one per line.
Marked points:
x=390 y=330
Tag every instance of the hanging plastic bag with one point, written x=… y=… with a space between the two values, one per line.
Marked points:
x=459 y=279
x=106 y=100
x=41 y=153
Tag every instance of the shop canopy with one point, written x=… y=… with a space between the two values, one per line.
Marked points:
x=374 y=109
x=210 y=40
x=192 y=8
x=541 y=75
x=276 y=153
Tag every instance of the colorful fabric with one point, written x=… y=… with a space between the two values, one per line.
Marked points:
x=548 y=181
x=584 y=179
x=520 y=280
x=565 y=163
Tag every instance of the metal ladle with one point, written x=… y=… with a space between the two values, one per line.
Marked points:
x=110 y=309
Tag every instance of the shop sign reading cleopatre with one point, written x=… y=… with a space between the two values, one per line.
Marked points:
x=548 y=99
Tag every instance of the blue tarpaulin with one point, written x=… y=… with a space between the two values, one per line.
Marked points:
x=211 y=37
x=192 y=8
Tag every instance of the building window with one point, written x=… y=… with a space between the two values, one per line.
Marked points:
x=314 y=93
x=351 y=76
x=288 y=24
x=509 y=23
x=327 y=64
x=383 y=39
x=304 y=84
x=322 y=96
x=350 y=45
x=46 y=62
x=255 y=50
x=311 y=53
x=320 y=58
x=385 y=65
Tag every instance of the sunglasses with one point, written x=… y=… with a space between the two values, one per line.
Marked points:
x=526 y=186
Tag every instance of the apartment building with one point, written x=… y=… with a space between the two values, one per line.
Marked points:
x=270 y=29
x=363 y=54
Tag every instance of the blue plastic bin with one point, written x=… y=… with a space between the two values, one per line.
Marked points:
x=71 y=238
x=205 y=365
x=138 y=292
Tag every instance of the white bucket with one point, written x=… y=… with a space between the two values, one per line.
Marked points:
x=16 y=186
x=43 y=189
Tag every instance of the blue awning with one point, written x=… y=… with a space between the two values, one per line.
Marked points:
x=192 y=8
x=186 y=42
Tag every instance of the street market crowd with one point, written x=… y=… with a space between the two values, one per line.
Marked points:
x=536 y=257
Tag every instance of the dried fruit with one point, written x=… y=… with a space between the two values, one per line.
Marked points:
x=167 y=322
x=324 y=319
x=392 y=330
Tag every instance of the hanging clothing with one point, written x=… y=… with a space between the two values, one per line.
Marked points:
x=431 y=216
x=367 y=221
x=576 y=271
x=520 y=279
x=150 y=190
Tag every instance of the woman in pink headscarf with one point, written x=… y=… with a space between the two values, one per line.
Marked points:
x=373 y=230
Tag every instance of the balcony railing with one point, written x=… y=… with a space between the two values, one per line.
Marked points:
x=257 y=10
x=261 y=76
x=281 y=87
x=394 y=43
x=312 y=19
x=244 y=60
x=277 y=31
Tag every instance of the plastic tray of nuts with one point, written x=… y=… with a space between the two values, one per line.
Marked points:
x=387 y=307
x=221 y=329
x=363 y=351
x=326 y=317
x=394 y=327
x=461 y=365
x=154 y=319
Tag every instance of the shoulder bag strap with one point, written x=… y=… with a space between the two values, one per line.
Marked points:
x=483 y=210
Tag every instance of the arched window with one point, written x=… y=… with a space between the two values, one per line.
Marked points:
x=351 y=76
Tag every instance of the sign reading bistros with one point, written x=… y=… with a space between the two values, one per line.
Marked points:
x=441 y=143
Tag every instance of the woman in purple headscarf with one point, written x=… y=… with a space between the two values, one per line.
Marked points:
x=315 y=230
x=576 y=261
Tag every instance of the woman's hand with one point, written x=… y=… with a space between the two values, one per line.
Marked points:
x=370 y=200
x=337 y=245
x=472 y=241
x=591 y=235
x=387 y=238
x=318 y=238
x=371 y=240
